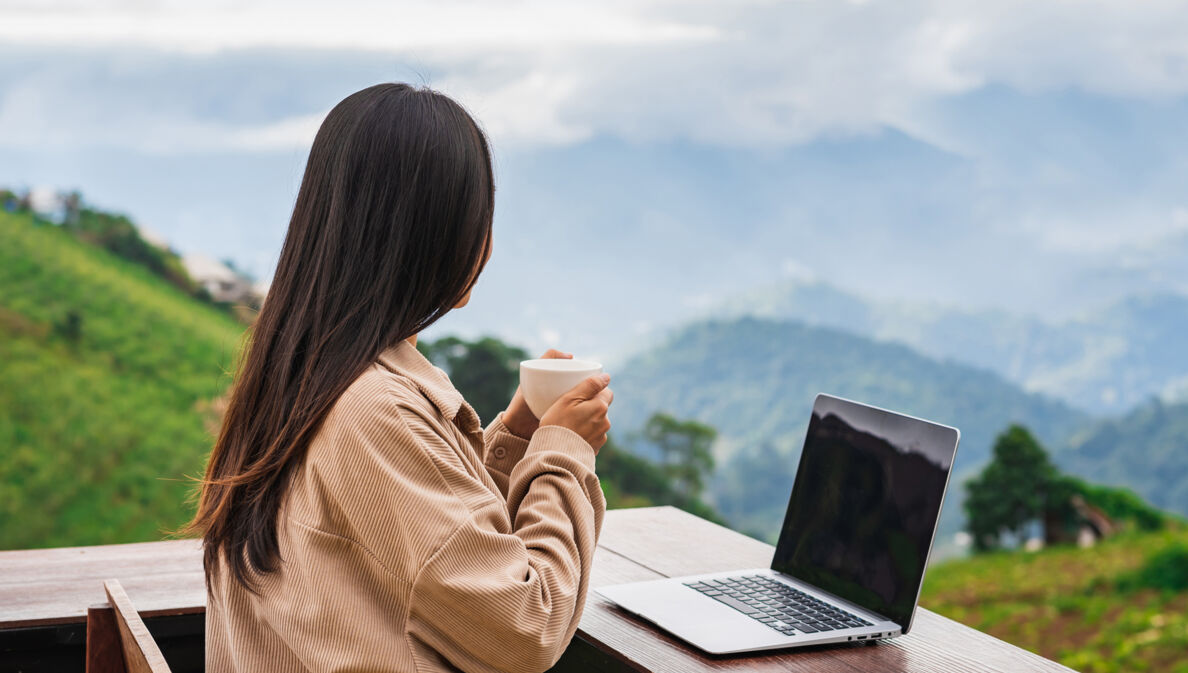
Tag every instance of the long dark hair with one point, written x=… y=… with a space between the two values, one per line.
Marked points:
x=391 y=229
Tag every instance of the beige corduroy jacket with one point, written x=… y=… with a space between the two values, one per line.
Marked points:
x=413 y=540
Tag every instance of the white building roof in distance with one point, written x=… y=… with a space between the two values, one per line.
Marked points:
x=153 y=238
x=203 y=269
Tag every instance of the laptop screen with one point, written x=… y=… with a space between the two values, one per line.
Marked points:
x=865 y=504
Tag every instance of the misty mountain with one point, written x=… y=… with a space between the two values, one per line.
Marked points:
x=754 y=380
x=1105 y=361
x=1145 y=450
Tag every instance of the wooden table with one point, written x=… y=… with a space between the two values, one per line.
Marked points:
x=47 y=591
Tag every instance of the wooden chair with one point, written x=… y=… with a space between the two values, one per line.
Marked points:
x=117 y=639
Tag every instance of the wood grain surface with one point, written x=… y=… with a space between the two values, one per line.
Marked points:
x=55 y=586
x=105 y=651
x=141 y=654
x=41 y=587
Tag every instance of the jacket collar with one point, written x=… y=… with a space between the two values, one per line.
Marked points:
x=432 y=381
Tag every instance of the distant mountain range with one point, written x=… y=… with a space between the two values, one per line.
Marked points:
x=754 y=380
x=1145 y=450
x=1105 y=361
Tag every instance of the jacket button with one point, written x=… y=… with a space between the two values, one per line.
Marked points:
x=500 y=452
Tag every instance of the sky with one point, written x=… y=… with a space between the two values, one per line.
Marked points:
x=653 y=158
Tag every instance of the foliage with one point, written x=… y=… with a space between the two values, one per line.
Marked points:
x=685 y=451
x=1011 y=492
x=104 y=372
x=1063 y=602
x=629 y=480
x=1120 y=504
x=486 y=371
x=117 y=234
x=1166 y=570
x=1021 y=486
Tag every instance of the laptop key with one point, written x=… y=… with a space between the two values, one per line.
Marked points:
x=806 y=628
x=737 y=605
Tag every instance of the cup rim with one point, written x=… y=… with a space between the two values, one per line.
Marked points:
x=590 y=365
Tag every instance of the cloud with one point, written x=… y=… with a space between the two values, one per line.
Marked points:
x=524 y=111
x=747 y=73
x=976 y=151
x=31 y=119
x=369 y=25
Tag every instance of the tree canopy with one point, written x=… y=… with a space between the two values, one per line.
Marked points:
x=1021 y=486
x=486 y=371
x=1011 y=492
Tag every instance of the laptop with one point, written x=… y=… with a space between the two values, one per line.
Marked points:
x=850 y=558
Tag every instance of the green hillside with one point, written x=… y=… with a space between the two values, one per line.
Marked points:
x=754 y=380
x=105 y=372
x=1120 y=606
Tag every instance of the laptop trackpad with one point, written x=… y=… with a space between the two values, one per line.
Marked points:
x=698 y=619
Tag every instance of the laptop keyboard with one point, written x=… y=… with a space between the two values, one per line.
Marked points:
x=779 y=606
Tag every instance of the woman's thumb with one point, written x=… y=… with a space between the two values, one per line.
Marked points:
x=590 y=387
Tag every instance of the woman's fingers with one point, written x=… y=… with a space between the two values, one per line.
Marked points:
x=584 y=409
x=554 y=354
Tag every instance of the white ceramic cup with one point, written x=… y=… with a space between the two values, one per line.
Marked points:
x=543 y=381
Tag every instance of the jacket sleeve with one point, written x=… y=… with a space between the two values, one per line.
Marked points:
x=502 y=451
x=505 y=590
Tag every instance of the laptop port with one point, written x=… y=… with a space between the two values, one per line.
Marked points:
x=861 y=637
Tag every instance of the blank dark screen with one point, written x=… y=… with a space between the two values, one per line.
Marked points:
x=865 y=505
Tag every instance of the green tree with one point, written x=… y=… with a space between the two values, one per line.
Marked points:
x=1012 y=491
x=629 y=480
x=685 y=451
x=485 y=371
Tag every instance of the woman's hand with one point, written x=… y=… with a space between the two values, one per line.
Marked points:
x=519 y=418
x=583 y=410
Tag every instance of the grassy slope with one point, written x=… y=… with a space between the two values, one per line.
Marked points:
x=99 y=434
x=1061 y=604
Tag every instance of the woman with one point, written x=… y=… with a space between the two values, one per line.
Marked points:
x=355 y=515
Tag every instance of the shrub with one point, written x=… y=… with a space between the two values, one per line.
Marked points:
x=1165 y=570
